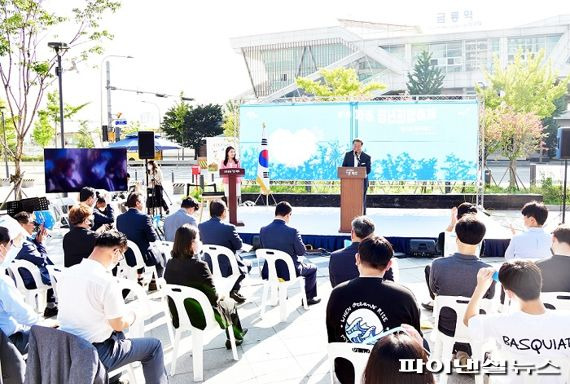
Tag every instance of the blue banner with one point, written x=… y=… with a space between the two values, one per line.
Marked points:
x=407 y=140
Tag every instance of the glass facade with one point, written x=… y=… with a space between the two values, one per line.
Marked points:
x=445 y=55
x=480 y=53
x=367 y=68
x=531 y=45
x=276 y=66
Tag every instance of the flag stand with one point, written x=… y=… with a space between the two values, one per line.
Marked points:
x=266 y=198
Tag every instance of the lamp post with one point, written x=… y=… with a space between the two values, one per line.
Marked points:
x=107 y=87
x=5 y=143
x=157 y=110
x=59 y=47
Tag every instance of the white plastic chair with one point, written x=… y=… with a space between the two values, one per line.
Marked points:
x=443 y=344
x=396 y=269
x=274 y=283
x=357 y=354
x=223 y=284
x=55 y=272
x=178 y=294
x=146 y=309
x=128 y=368
x=130 y=272
x=557 y=300
x=36 y=297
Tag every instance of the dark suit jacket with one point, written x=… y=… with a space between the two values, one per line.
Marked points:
x=36 y=254
x=278 y=235
x=137 y=226
x=105 y=217
x=78 y=244
x=216 y=232
x=555 y=273
x=365 y=161
x=342 y=265
x=193 y=273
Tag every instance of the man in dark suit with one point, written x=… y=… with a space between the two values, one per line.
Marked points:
x=102 y=213
x=216 y=232
x=357 y=158
x=342 y=265
x=137 y=226
x=278 y=235
x=555 y=269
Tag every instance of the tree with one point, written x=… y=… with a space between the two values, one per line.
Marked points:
x=48 y=122
x=202 y=121
x=10 y=133
x=231 y=118
x=526 y=85
x=84 y=137
x=512 y=134
x=426 y=78
x=338 y=82
x=27 y=64
x=133 y=127
x=173 y=122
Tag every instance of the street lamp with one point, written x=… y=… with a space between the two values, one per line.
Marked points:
x=59 y=47
x=5 y=142
x=157 y=109
x=108 y=88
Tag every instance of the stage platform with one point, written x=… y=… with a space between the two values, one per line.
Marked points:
x=319 y=226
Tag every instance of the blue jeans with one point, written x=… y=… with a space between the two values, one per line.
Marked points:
x=118 y=351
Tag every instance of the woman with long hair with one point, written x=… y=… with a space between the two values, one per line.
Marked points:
x=230 y=161
x=185 y=268
x=155 y=175
x=384 y=362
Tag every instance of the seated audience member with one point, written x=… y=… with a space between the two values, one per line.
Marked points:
x=359 y=310
x=555 y=270
x=79 y=242
x=103 y=214
x=216 y=232
x=447 y=241
x=531 y=335
x=15 y=315
x=278 y=235
x=534 y=243
x=384 y=366
x=92 y=307
x=34 y=251
x=341 y=265
x=138 y=228
x=457 y=275
x=185 y=268
x=88 y=196
x=183 y=216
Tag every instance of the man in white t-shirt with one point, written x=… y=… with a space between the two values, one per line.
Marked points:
x=91 y=306
x=533 y=334
x=534 y=243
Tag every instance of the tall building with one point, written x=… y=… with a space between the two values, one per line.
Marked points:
x=387 y=52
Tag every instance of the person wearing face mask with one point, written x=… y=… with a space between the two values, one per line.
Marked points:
x=79 y=242
x=34 y=251
x=155 y=175
x=92 y=307
x=184 y=268
x=15 y=315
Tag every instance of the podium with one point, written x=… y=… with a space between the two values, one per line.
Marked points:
x=233 y=174
x=351 y=195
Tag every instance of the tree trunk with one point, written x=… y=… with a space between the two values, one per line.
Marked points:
x=513 y=174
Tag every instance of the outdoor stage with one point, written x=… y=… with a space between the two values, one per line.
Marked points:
x=319 y=226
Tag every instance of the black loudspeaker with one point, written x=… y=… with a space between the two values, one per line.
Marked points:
x=563 y=149
x=105 y=133
x=146 y=145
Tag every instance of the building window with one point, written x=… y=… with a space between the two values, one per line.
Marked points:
x=530 y=45
x=284 y=77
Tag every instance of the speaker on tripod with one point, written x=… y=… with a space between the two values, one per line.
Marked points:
x=146 y=145
x=563 y=153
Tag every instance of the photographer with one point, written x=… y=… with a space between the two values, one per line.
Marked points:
x=103 y=213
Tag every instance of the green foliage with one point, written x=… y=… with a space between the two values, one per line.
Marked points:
x=26 y=68
x=47 y=124
x=339 y=82
x=188 y=125
x=10 y=132
x=526 y=85
x=83 y=137
x=231 y=118
x=426 y=79
x=133 y=127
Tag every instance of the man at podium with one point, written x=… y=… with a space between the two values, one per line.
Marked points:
x=357 y=158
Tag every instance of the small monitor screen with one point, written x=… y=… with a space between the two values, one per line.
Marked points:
x=70 y=169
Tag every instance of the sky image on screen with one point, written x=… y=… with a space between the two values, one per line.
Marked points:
x=416 y=141
x=70 y=169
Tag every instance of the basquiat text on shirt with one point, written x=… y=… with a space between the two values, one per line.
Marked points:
x=538 y=345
